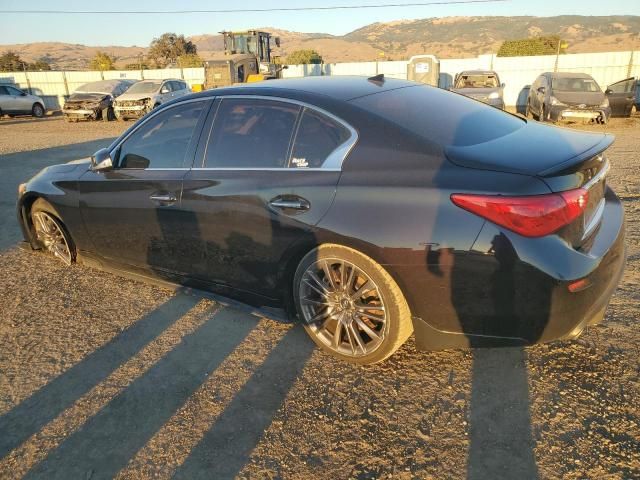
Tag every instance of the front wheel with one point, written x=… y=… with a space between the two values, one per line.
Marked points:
x=37 y=110
x=350 y=306
x=51 y=233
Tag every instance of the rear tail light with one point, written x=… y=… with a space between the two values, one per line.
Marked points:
x=530 y=216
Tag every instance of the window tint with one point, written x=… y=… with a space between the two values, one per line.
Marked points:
x=441 y=117
x=162 y=141
x=623 y=87
x=14 y=91
x=3 y=91
x=318 y=136
x=250 y=133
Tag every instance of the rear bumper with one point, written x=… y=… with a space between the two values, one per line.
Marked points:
x=517 y=293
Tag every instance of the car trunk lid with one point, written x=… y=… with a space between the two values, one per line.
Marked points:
x=564 y=159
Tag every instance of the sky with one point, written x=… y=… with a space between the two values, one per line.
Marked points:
x=128 y=29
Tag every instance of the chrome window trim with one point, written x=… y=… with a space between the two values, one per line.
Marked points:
x=335 y=159
x=268 y=169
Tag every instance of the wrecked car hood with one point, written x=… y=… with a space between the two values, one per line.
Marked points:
x=135 y=96
x=86 y=97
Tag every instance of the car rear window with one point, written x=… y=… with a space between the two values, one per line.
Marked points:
x=442 y=117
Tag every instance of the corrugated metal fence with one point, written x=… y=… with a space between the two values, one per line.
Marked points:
x=516 y=72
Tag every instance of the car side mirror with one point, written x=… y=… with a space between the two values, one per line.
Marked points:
x=608 y=91
x=101 y=161
x=23 y=94
x=164 y=90
x=541 y=90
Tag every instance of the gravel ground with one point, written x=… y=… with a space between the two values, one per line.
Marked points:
x=105 y=377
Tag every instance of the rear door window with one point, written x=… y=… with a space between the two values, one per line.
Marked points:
x=251 y=133
x=317 y=137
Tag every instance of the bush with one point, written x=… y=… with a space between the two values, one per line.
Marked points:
x=531 y=46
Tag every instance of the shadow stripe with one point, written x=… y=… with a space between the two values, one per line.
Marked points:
x=106 y=442
x=227 y=446
x=48 y=402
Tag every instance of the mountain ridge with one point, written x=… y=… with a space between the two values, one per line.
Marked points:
x=445 y=37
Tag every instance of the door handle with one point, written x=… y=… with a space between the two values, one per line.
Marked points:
x=164 y=199
x=295 y=203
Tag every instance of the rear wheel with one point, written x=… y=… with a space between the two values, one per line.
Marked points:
x=350 y=306
x=51 y=233
x=37 y=110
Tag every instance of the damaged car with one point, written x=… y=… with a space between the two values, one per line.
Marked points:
x=146 y=95
x=481 y=85
x=567 y=96
x=94 y=100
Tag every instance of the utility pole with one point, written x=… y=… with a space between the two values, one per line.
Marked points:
x=560 y=45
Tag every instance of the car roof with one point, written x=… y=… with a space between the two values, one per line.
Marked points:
x=568 y=75
x=337 y=87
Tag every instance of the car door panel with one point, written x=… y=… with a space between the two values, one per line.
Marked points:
x=244 y=221
x=247 y=217
x=132 y=213
x=621 y=97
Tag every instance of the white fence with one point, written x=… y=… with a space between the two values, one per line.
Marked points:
x=516 y=72
x=54 y=87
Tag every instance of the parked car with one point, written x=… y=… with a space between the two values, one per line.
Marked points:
x=482 y=85
x=94 y=100
x=146 y=95
x=14 y=101
x=567 y=96
x=349 y=204
x=624 y=97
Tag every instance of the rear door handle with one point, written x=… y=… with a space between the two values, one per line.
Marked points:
x=295 y=203
x=164 y=199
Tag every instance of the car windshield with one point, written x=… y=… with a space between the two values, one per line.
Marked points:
x=144 y=87
x=477 y=81
x=575 y=85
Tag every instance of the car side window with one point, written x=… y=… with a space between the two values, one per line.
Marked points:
x=251 y=133
x=13 y=91
x=163 y=140
x=317 y=137
x=3 y=90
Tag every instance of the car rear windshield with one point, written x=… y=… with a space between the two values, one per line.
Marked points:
x=574 y=85
x=144 y=87
x=477 y=81
x=442 y=117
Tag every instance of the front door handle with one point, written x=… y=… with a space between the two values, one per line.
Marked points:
x=164 y=199
x=294 y=203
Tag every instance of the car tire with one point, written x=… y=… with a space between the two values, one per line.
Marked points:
x=111 y=115
x=338 y=316
x=51 y=233
x=37 y=110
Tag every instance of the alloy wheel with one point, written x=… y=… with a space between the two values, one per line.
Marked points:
x=49 y=233
x=342 y=307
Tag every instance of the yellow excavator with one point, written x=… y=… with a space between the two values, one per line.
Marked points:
x=247 y=58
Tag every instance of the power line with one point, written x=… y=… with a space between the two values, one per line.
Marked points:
x=243 y=10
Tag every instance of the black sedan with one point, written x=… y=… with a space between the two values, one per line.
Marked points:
x=367 y=208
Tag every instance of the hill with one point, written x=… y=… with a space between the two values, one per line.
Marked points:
x=448 y=37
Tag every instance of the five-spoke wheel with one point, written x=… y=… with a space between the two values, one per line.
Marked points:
x=50 y=233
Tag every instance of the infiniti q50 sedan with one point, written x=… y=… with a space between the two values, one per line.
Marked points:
x=367 y=208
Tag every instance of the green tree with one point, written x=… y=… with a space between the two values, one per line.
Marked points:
x=189 y=60
x=43 y=63
x=103 y=61
x=532 y=46
x=303 y=56
x=10 y=61
x=168 y=48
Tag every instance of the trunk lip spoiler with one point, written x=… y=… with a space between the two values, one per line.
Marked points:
x=601 y=146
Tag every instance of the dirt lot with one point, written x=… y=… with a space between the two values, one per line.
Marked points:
x=104 y=377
